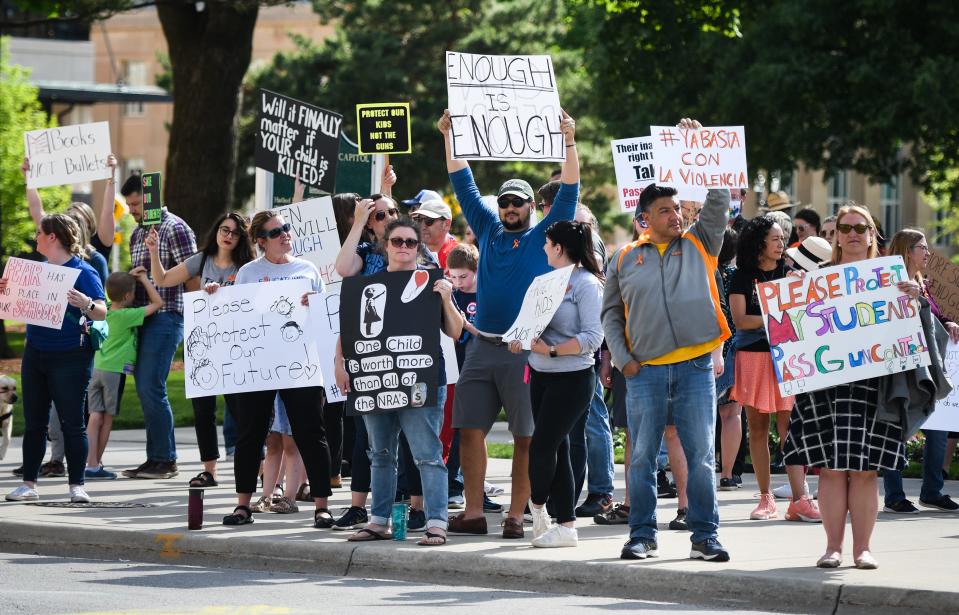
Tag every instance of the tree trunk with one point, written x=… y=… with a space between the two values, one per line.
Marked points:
x=209 y=54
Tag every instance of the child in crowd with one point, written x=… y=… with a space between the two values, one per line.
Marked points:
x=113 y=361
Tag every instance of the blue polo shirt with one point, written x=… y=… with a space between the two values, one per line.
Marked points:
x=70 y=336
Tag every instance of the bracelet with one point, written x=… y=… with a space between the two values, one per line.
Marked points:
x=570 y=145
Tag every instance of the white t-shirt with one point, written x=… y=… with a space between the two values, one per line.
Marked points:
x=262 y=270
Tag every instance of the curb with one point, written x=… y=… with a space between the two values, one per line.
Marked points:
x=710 y=588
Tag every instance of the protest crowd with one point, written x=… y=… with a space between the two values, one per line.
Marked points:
x=685 y=338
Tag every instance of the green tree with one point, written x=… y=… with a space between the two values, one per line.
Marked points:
x=20 y=111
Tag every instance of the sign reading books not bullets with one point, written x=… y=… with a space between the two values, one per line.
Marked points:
x=540 y=303
x=700 y=158
x=390 y=337
x=504 y=108
x=249 y=337
x=36 y=293
x=68 y=154
x=297 y=139
x=841 y=324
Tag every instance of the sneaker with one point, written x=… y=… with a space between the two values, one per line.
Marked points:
x=491 y=506
x=135 y=472
x=53 y=469
x=416 y=521
x=679 y=523
x=902 y=507
x=354 y=518
x=639 y=548
x=727 y=484
x=778 y=465
x=541 y=520
x=617 y=515
x=78 y=495
x=159 y=470
x=664 y=488
x=803 y=509
x=595 y=504
x=709 y=550
x=456 y=502
x=557 y=536
x=943 y=502
x=738 y=479
x=100 y=473
x=23 y=493
x=17 y=471
x=492 y=490
x=785 y=492
x=527 y=515
x=766 y=509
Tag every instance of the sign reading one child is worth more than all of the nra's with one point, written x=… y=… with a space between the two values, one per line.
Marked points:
x=700 y=158
x=67 y=154
x=504 y=108
x=297 y=139
x=384 y=128
x=152 y=199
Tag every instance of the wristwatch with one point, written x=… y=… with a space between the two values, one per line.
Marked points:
x=552 y=351
x=90 y=307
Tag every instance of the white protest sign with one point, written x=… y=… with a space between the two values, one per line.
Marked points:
x=702 y=158
x=841 y=324
x=540 y=303
x=68 y=154
x=448 y=346
x=325 y=328
x=633 y=161
x=36 y=293
x=504 y=108
x=249 y=337
x=946 y=416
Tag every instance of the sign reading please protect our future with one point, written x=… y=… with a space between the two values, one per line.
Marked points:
x=841 y=324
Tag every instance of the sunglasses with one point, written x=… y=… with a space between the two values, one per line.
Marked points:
x=425 y=220
x=276 y=232
x=228 y=232
x=381 y=215
x=515 y=201
x=399 y=242
x=861 y=229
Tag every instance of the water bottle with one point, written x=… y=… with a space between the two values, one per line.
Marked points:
x=194 y=513
x=400 y=512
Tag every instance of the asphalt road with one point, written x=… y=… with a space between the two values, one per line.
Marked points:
x=37 y=585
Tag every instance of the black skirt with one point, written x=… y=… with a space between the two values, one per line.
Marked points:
x=837 y=429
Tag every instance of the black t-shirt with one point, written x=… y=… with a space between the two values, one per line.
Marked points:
x=99 y=247
x=744 y=283
x=466 y=302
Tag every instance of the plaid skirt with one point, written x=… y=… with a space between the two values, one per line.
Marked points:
x=837 y=429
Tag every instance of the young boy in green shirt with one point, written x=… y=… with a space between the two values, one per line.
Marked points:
x=113 y=361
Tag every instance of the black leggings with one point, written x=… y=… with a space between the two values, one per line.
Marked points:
x=333 y=423
x=204 y=421
x=559 y=400
x=304 y=408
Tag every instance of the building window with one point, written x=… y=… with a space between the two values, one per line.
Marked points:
x=890 y=206
x=837 y=191
x=133 y=166
x=134 y=73
x=940 y=232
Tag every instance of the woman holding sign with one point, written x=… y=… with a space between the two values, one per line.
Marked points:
x=58 y=362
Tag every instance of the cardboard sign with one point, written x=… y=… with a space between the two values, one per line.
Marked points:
x=703 y=158
x=297 y=139
x=841 y=324
x=633 y=161
x=389 y=330
x=36 y=292
x=384 y=128
x=152 y=199
x=325 y=328
x=942 y=277
x=249 y=337
x=946 y=416
x=68 y=154
x=540 y=303
x=504 y=108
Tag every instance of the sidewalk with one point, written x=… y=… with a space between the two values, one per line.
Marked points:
x=772 y=563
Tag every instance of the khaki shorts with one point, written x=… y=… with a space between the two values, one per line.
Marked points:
x=492 y=378
x=105 y=392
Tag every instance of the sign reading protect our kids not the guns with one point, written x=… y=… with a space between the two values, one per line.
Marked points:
x=700 y=158
x=383 y=128
x=841 y=324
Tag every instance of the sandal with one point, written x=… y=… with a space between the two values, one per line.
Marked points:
x=262 y=505
x=368 y=535
x=322 y=519
x=284 y=506
x=203 y=479
x=430 y=535
x=241 y=515
x=278 y=493
x=303 y=493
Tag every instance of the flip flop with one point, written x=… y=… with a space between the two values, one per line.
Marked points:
x=367 y=535
x=203 y=479
x=237 y=518
x=425 y=540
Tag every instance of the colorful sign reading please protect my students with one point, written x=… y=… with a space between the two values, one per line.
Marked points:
x=842 y=324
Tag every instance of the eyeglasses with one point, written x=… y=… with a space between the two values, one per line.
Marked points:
x=921 y=246
x=425 y=220
x=515 y=201
x=861 y=229
x=228 y=232
x=275 y=232
x=381 y=215
x=399 y=242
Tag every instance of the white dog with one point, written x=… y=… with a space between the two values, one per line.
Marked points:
x=8 y=396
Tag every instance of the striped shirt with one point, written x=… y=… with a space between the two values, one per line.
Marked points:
x=177 y=243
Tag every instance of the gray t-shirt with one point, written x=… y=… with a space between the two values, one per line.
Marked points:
x=211 y=273
x=262 y=270
x=578 y=316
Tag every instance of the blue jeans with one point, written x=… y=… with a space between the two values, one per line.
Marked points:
x=591 y=447
x=61 y=377
x=421 y=426
x=159 y=337
x=688 y=390
x=933 y=455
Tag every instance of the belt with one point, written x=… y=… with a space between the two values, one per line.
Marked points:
x=494 y=340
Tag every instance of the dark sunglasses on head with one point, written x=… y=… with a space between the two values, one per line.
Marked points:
x=381 y=215
x=276 y=232
x=859 y=228
x=515 y=201
x=399 y=242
